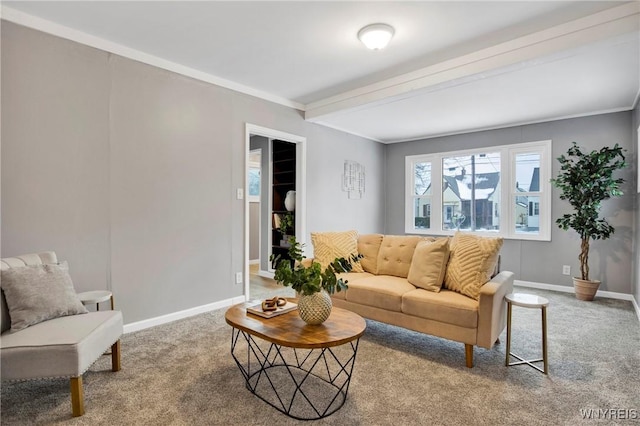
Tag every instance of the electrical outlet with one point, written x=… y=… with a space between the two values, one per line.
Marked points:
x=238 y=277
x=566 y=270
x=239 y=193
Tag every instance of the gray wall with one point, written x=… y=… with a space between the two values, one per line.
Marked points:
x=129 y=172
x=254 y=230
x=265 y=214
x=538 y=261
x=636 y=239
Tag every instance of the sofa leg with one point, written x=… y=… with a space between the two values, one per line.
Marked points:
x=468 y=352
x=77 y=396
x=498 y=341
x=115 y=356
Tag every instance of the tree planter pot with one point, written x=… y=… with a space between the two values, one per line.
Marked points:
x=585 y=290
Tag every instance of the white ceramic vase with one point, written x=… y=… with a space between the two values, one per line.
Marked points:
x=315 y=308
x=290 y=201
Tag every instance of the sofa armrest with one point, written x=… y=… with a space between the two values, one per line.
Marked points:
x=492 y=311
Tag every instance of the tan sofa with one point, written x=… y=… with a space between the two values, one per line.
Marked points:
x=383 y=293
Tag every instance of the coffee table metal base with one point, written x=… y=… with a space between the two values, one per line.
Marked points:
x=305 y=384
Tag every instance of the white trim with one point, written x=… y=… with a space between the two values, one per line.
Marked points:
x=567 y=289
x=254 y=261
x=301 y=188
x=62 y=31
x=163 y=319
x=636 y=100
x=265 y=274
x=301 y=195
x=506 y=193
x=351 y=132
x=636 y=307
x=509 y=125
x=269 y=203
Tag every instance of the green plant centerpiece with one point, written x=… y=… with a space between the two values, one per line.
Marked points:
x=585 y=181
x=313 y=285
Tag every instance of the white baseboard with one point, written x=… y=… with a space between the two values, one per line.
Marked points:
x=265 y=274
x=163 y=319
x=567 y=289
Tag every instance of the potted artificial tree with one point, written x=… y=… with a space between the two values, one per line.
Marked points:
x=585 y=180
x=312 y=284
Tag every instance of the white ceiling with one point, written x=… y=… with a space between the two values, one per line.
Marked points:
x=452 y=66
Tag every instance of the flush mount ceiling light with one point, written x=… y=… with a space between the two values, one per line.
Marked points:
x=376 y=36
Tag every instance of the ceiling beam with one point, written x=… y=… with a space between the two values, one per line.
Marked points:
x=593 y=28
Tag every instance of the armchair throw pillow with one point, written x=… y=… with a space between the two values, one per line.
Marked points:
x=37 y=293
x=429 y=264
x=327 y=246
x=471 y=263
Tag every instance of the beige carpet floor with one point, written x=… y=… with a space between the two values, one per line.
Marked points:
x=182 y=374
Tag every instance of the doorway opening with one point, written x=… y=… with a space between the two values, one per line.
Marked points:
x=278 y=175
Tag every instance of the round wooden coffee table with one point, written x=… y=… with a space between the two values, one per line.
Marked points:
x=299 y=369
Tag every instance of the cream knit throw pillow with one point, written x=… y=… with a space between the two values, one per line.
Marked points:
x=471 y=263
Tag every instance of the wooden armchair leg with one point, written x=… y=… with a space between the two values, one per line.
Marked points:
x=115 y=356
x=77 y=396
x=468 y=352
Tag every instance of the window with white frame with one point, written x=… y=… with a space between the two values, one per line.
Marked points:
x=503 y=191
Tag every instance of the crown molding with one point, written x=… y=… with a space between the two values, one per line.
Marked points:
x=49 y=27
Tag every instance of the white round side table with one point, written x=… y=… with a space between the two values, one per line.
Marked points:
x=527 y=301
x=96 y=297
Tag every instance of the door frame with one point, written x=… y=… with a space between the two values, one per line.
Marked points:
x=301 y=187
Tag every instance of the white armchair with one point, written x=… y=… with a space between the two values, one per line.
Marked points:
x=61 y=347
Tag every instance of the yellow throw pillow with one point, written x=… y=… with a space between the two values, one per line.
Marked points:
x=429 y=264
x=471 y=263
x=327 y=246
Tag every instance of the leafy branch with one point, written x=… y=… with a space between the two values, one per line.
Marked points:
x=308 y=280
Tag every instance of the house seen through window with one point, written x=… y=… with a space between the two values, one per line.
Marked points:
x=500 y=190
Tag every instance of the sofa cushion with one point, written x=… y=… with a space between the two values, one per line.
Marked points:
x=471 y=263
x=396 y=252
x=429 y=264
x=36 y=293
x=368 y=247
x=327 y=246
x=350 y=277
x=61 y=347
x=380 y=291
x=446 y=306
